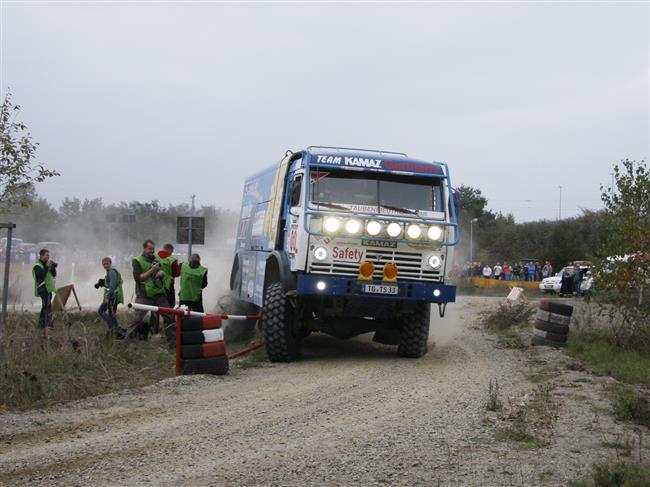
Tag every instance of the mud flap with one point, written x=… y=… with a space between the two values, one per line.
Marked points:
x=387 y=337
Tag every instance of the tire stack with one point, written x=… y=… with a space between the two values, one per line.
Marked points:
x=551 y=327
x=203 y=350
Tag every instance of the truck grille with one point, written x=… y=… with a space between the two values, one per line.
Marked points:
x=409 y=264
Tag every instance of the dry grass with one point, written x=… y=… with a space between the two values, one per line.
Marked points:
x=73 y=361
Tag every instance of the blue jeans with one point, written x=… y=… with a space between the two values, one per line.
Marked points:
x=107 y=311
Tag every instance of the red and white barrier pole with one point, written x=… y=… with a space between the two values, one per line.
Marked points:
x=185 y=311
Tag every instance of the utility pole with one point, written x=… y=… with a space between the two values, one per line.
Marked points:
x=471 y=239
x=5 y=290
x=559 y=214
x=189 y=233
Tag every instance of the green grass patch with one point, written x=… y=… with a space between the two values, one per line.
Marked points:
x=617 y=474
x=519 y=434
x=542 y=374
x=74 y=362
x=595 y=348
x=628 y=404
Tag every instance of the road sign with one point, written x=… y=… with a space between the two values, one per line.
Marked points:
x=183 y=230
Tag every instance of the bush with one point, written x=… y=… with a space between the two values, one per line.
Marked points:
x=507 y=315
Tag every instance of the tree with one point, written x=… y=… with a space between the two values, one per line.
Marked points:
x=18 y=169
x=624 y=271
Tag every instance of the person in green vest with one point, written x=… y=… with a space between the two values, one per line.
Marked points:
x=113 y=295
x=150 y=290
x=169 y=264
x=44 y=274
x=194 y=278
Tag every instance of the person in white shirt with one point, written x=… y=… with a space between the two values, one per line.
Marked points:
x=487 y=271
x=497 y=271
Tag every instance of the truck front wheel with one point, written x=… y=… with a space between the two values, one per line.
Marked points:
x=277 y=325
x=414 y=332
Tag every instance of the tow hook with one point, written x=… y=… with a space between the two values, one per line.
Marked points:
x=441 y=309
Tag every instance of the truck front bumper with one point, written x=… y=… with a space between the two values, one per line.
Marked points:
x=324 y=285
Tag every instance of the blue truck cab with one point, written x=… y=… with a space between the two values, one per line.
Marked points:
x=346 y=241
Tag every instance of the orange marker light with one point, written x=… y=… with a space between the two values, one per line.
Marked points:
x=390 y=272
x=366 y=270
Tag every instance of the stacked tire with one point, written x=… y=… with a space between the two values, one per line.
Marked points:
x=551 y=327
x=203 y=349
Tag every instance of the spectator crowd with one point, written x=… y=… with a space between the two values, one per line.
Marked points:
x=518 y=271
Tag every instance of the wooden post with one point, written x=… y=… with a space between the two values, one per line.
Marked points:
x=5 y=290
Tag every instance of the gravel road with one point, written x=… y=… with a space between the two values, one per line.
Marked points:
x=348 y=413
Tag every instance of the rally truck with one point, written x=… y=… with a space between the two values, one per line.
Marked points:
x=344 y=242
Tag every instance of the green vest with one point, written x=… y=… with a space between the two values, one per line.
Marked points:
x=50 y=287
x=154 y=285
x=191 y=280
x=166 y=265
x=119 y=292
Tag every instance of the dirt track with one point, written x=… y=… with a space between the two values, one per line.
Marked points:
x=348 y=413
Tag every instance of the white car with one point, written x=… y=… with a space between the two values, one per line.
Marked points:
x=553 y=284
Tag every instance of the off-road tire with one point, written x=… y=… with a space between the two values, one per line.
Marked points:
x=557 y=308
x=551 y=327
x=277 y=322
x=552 y=337
x=213 y=365
x=414 y=332
x=537 y=340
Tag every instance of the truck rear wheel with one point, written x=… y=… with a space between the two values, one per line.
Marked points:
x=277 y=325
x=414 y=332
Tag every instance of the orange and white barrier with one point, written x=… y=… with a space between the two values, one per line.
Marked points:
x=200 y=345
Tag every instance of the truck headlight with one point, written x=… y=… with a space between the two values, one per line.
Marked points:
x=320 y=253
x=394 y=229
x=435 y=261
x=413 y=231
x=353 y=226
x=331 y=224
x=434 y=233
x=373 y=228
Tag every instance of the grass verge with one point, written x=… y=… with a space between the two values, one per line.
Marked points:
x=75 y=361
x=595 y=348
x=628 y=404
x=618 y=474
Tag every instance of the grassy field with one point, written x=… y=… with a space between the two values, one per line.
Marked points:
x=79 y=360
x=74 y=361
x=594 y=347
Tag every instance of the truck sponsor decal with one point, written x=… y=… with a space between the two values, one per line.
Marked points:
x=258 y=225
x=293 y=239
x=378 y=243
x=350 y=161
x=372 y=163
x=346 y=254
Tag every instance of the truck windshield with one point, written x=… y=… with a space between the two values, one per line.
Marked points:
x=376 y=192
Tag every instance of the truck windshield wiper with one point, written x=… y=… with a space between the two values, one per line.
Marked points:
x=331 y=205
x=403 y=210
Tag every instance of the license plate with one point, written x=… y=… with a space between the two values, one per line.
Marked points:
x=548 y=286
x=380 y=289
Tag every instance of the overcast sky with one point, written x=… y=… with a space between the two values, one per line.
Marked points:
x=144 y=101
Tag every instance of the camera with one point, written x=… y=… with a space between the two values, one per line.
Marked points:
x=100 y=283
